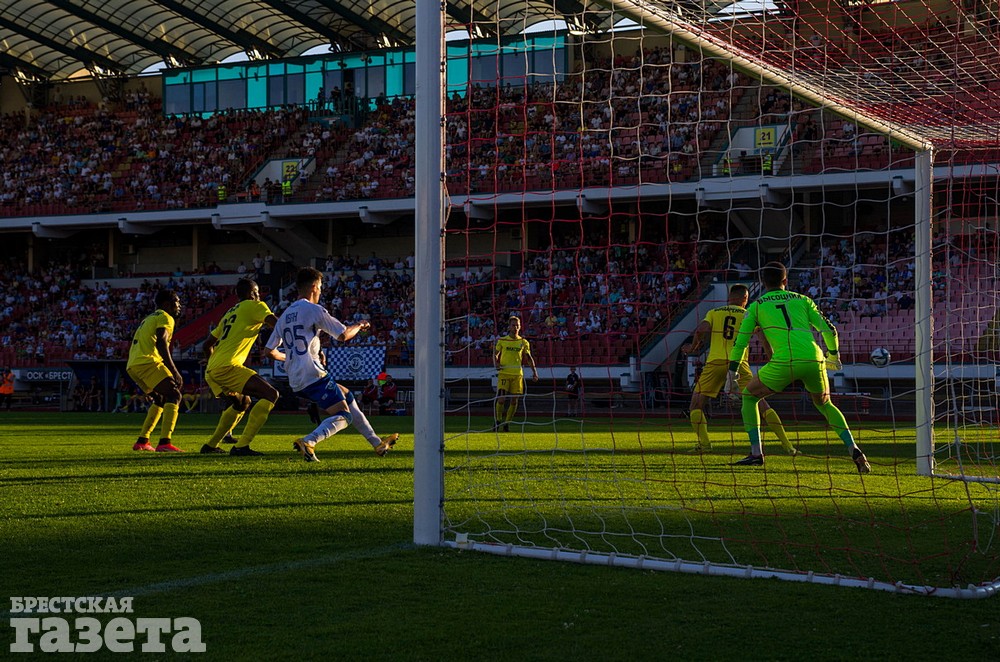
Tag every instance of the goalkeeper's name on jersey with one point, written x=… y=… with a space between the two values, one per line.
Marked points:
x=784 y=297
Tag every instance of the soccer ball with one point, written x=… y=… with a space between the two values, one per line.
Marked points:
x=880 y=357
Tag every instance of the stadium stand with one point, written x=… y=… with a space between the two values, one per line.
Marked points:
x=51 y=316
x=80 y=159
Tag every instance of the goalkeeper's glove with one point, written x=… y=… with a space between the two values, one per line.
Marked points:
x=833 y=361
x=733 y=384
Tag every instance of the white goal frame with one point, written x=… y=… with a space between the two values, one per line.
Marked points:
x=431 y=208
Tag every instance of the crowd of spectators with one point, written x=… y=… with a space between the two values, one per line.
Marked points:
x=619 y=293
x=866 y=285
x=377 y=160
x=586 y=287
x=578 y=291
x=871 y=275
x=626 y=119
x=643 y=116
x=83 y=159
x=647 y=117
x=49 y=315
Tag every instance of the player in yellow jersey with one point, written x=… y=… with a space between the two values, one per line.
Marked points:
x=718 y=329
x=226 y=349
x=152 y=368
x=508 y=355
x=787 y=320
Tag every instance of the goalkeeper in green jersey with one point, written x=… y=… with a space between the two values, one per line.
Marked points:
x=787 y=320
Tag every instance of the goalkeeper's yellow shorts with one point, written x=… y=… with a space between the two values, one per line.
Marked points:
x=812 y=374
x=713 y=377
x=510 y=383
x=148 y=375
x=228 y=379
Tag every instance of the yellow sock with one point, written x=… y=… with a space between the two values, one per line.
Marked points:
x=256 y=420
x=498 y=411
x=774 y=424
x=170 y=413
x=511 y=410
x=152 y=418
x=227 y=421
x=700 y=425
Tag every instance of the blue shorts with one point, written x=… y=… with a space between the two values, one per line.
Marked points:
x=325 y=393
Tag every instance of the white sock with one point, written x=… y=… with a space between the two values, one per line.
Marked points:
x=327 y=428
x=362 y=425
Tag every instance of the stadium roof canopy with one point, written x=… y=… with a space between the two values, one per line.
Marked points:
x=64 y=39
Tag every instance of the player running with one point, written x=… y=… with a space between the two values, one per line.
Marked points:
x=298 y=332
x=226 y=349
x=718 y=329
x=508 y=354
x=787 y=320
x=152 y=368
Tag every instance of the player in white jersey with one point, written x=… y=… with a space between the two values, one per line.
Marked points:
x=296 y=341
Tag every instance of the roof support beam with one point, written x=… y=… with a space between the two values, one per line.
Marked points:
x=162 y=48
x=573 y=9
x=81 y=53
x=241 y=38
x=469 y=15
x=371 y=25
x=314 y=25
x=14 y=62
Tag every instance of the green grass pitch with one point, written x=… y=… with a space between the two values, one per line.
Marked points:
x=280 y=559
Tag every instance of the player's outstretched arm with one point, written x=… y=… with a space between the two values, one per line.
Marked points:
x=354 y=330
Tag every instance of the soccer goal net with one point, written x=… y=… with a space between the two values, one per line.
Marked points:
x=605 y=174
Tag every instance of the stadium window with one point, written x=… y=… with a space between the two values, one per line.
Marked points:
x=276 y=91
x=295 y=89
x=360 y=84
x=393 y=80
x=314 y=85
x=256 y=92
x=203 y=98
x=333 y=80
x=485 y=68
x=376 y=82
x=409 y=79
x=514 y=67
x=232 y=94
x=176 y=99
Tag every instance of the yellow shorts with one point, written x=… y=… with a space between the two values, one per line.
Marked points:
x=228 y=379
x=148 y=375
x=713 y=378
x=510 y=383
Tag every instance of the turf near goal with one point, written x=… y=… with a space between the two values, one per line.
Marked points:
x=606 y=172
